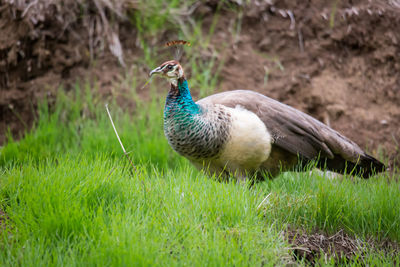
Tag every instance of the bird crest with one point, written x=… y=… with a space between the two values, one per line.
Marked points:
x=177 y=44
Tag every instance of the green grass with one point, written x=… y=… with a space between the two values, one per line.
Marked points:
x=73 y=212
x=361 y=207
x=72 y=199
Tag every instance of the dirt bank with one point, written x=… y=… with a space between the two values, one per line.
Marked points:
x=342 y=67
x=336 y=60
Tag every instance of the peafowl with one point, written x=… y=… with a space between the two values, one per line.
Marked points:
x=244 y=133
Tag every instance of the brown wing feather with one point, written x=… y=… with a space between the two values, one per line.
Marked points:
x=293 y=130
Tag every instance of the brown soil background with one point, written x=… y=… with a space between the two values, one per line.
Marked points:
x=336 y=60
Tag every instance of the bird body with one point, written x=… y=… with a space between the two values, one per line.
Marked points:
x=245 y=133
x=248 y=145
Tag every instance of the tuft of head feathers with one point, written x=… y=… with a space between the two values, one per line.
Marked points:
x=177 y=45
x=177 y=42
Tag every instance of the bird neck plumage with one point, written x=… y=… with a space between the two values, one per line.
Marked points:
x=180 y=100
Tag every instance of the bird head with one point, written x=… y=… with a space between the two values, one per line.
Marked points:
x=171 y=70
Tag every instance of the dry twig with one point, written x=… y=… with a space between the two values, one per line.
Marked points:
x=264 y=201
x=119 y=140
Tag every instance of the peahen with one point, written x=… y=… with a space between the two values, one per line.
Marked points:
x=244 y=133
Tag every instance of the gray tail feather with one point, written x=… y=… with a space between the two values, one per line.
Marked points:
x=370 y=166
x=365 y=167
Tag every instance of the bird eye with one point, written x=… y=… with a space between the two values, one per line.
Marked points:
x=169 y=67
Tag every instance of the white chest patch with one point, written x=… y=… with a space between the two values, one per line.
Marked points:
x=249 y=144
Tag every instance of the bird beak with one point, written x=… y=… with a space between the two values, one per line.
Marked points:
x=155 y=71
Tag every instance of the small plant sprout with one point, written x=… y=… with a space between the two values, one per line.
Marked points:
x=145 y=84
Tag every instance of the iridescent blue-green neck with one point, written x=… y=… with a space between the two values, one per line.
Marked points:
x=194 y=131
x=179 y=100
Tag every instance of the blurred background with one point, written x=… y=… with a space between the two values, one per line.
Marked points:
x=337 y=60
x=67 y=195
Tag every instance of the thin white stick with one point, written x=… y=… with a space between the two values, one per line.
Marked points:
x=116 y=133
x=115 y=130
x=292 y=20
x=262 y=202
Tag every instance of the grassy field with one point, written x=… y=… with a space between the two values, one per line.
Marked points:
x=72 y=199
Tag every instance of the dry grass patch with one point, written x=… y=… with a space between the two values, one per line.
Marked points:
x=341 y=247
